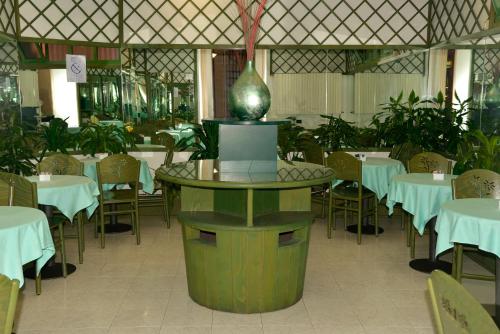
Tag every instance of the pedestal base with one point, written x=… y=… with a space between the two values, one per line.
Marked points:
x=365 y=229
x=53 y=270
x=427 y=266
x=115 y=228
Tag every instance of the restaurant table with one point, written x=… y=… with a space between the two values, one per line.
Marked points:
x=24 y=237
x=69 y=194
x=180 y=134
x=422 y=197
x=377 y=175
x=472 y=221
x=245 y=230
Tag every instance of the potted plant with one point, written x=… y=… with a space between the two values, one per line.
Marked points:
x=336 y=134
x=96 y=138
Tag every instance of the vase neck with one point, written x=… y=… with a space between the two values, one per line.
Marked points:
x=250 y=65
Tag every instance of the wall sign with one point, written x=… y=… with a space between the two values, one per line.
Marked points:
x=76 y=68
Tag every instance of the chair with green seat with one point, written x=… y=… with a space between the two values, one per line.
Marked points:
x=9 y=290
x=314 y=153
x=455 y=309
x=24 y=193
x=113 y=171
x=425 y=162
x=348 y=168
x=64 y=164
x=161 y=193
x=475 y=183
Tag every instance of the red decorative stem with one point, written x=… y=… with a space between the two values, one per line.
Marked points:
x=250 y=30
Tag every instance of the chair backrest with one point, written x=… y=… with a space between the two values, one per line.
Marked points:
x=118 y=169
x=23 y=191
x=345 y=166
x=404 y=152
x=9 y=290
x=477 y=183
x=428 y=162
x=168 y=141
x=5 y=193
x=313 y=153
x=455 y=309
x=60 y=164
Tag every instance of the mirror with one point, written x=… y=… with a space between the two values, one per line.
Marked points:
x=9 y=89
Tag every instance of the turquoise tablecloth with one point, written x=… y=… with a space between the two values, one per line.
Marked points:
x=179 y=134
x=145 y=178
x=68 y=193
x=378 y=173
x=474 y=221
x=24 y=237
x=420 y=195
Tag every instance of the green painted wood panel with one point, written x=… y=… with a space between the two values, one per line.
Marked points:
x=197 y=199
x=295 y=199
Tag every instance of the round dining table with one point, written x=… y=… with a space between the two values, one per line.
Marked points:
x=377 y=174
x=472 y=221
x=69 y=194
x=422 y=196
x=24 y=237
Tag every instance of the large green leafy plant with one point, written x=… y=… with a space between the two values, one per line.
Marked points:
x=478 y=151
x=206 y=143
x=291 y=140
x=336 y=134
x=96 y=138
x=56 y=137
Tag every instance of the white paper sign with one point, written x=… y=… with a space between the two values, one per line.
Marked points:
x=76 y=68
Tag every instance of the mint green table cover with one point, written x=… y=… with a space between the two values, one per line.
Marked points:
x=68 y=193
x=378 y=173
x=145 y=178
x=474 y=221
x=420 y=195
x=24 y=237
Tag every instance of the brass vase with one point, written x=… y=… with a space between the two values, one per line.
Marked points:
x=249 y=98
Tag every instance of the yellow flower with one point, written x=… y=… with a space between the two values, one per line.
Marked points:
x=129 y=128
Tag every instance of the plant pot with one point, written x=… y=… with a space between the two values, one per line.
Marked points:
x=249 y=98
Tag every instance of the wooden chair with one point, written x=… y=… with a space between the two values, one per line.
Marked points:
x=314 y=153
x=476 y=183
x=455 y=309
x=404 y=152
x=425 y=162
x=162 y=192
x=9 y=289
x=64 y=164
x=348 y=168
x=428 y=162
x=119 y=169
x=5 y=193
x=24 y=193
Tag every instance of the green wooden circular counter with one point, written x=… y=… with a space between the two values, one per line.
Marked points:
x=245 y=232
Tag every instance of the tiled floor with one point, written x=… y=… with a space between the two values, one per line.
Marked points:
x=126 y=288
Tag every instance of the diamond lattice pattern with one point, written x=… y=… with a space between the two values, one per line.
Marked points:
x=286 y=22
x=486 y=61
x=78 y=20
x=8 y=57
x=7 y=17
x=451 y=19
x=307 y=61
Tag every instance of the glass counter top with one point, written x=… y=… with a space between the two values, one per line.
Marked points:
x=246 y=174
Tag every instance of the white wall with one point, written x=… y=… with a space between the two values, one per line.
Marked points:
x=462 y=74
x=64 y=99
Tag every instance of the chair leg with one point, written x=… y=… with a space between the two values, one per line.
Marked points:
x=412 y=240
x=80 y=236
x=408 y=228
x=166 y=204
x=360 y=220
x=458 y=261
x=323 y=203
x=101 y=213
x=132 y=222
x=38 y=283
x=330 y=218
x=96 y=222
x=137 y=223
x=376 y=215
x=346 y=203
x=60 y=227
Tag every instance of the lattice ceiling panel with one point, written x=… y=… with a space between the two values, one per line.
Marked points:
x=113 y=72
x=487 y=61
x=488 y=41
x=8 y=57
x=7 y=17
x=307 y=61
x=285 y=22
x=450 y=19
x=78 y=20
x=412 y=64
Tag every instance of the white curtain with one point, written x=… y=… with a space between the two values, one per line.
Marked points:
x=436 y=76
x=371 y=90
x=205 y=85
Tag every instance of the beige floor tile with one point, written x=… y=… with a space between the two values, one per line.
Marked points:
x=125 y=288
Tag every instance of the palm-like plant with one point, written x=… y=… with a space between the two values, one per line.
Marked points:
x=206 y=142
x=95 y=138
